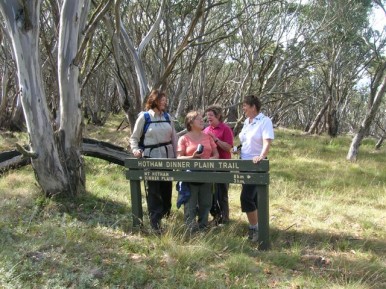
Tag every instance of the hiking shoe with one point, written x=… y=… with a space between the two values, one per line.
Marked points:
x=253 y=234
x=250 y=234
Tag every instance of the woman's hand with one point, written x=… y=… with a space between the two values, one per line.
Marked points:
x=212 y=135
x=137 y=153
x=257 y=159
x=236 y=150
x=196 y=155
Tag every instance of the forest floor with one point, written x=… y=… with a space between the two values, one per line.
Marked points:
x=327 y=220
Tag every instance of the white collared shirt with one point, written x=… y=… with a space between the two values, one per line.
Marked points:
x=252 y=136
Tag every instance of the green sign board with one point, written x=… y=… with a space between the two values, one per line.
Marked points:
x=200 y=177
x=201 y=171
x=197 y=164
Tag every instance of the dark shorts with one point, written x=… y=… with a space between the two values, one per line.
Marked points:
x=248 y=198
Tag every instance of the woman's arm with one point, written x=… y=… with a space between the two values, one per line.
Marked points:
x=181 y=155
x=136 y=136
x=226 y=143
x=264 y=152
x=215 y=154
x=174 y=136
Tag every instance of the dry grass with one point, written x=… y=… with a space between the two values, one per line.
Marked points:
x=327 y=228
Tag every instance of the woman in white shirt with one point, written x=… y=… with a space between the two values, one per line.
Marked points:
x=255 y=138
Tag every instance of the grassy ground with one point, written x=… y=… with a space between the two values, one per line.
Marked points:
x=328 y=230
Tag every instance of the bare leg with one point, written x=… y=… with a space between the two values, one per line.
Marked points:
x=252 y=217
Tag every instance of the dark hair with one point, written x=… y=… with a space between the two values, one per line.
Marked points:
x=217 y=111
x=189 y=118
x=154 y=98
x=252 y=100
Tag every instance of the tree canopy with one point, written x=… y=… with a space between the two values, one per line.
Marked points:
x=318 y=66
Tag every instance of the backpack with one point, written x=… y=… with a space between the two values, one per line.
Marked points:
x=148 y=121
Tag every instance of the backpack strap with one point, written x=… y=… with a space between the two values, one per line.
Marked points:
x=148 y=121
x=166 y=116
x=145 y=127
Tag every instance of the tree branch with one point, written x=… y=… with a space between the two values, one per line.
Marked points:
x=90 y=28
x=26 y=153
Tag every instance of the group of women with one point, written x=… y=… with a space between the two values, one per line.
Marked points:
x=154 y=136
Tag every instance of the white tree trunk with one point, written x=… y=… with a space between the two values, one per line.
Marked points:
x=136 y=53
x=365 y=126
x=319 y=116
x=70 y=132
x=22 y=20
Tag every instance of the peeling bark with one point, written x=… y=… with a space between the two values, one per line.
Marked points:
x=22 y=20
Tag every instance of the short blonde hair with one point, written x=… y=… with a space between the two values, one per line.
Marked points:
x=189 y=118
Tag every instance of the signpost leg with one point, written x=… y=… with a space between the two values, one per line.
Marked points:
x=263 y=215
x=136 y=203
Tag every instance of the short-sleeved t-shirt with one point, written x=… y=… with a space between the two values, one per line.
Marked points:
x=252 y=136
x=189 y=146
x=224 y=133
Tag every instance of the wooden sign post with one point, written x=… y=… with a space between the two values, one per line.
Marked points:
x=202 y=171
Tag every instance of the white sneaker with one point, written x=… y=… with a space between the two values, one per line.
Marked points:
x=253 y=234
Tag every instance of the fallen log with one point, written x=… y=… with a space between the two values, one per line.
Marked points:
x=105 y=151
x=10 y=160
x=90 y=147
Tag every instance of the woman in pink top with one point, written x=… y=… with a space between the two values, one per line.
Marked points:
x=200 y=200
x=222 y=135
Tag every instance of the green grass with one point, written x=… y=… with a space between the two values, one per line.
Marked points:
x=327 y=220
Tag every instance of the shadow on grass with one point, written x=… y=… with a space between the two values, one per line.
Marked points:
x=77 y=255
x=336 y=257
x=321 y=240
x=95 y=211
x=332 y=256
x=80 y=243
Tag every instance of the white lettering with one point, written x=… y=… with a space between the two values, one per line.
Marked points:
x=225 y=165
x=177 y=165
x=159 y=174
x=151 y=164
x=203 y=165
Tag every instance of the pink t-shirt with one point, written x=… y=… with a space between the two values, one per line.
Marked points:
x=189 y=146
x=223 y=133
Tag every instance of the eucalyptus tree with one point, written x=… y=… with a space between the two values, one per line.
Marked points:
x=97 y=79
x=195 y=83
x=380 y=129
x=377 y=91
x=99 y=93
x=48 y=43
x=56 y=158
x=373 y=120
x=162 y=46
x=340 y=55
x=94 y=68
x=133 y=26
x=11 y=111
x=379 y=83
x=8 y=93
x=264 y=56
x=127 y=25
